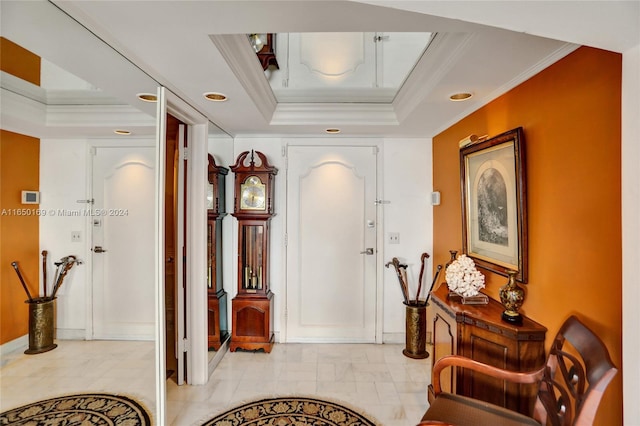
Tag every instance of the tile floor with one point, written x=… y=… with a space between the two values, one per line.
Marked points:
x=375 y=379
x=79 y=366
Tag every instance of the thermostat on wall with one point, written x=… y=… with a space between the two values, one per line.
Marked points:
x=30 y=197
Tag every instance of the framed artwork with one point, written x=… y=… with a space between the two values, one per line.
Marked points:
x=494 y=208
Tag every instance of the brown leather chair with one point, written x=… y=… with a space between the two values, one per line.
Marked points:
x=571 y=384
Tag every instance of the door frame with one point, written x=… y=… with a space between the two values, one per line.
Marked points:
x=92 y=145
x=181 y=222
x=341 y=142
x=196 y=235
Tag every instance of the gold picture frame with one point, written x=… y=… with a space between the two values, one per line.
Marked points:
x=494 y=208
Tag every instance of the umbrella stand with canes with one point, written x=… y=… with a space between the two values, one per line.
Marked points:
x=416 y=310
x=41 y=309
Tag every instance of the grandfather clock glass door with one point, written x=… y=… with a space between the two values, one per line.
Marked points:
x=253 y=249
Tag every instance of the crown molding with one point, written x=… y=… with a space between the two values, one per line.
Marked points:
x=332 y=95
x=443 y=53
x=21 y=107
x=334 y=114
x=16 y=106
x=237 y=52
x=98 y=116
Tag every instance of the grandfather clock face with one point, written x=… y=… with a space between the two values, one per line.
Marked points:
x=253 y=186
x=253 y=194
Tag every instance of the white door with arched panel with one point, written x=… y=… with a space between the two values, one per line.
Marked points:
x=331 y=244
x=122 y=224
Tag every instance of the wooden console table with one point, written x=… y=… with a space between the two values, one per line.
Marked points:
x=477 y=332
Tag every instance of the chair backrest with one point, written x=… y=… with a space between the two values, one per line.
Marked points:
x=578 y=371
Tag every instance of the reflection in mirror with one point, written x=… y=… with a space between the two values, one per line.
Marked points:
x=217 y=328
x=341 y=66
x=64 y=94
x=220 y=148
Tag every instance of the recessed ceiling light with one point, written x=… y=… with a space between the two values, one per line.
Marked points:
x=463 y=96
x=147 y=97
x=215 y=97
x=332 y=130
x=122 y=132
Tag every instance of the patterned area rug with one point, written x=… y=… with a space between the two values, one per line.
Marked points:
x=82 y=409
x=291 y=411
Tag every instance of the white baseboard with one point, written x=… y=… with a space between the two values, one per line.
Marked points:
x=70 y=333
x=400 y=338
x=19 y=344
x=388 y=338
x=393 y=338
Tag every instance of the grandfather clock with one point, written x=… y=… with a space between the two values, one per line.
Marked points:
x=216 y=296
x=252 y=308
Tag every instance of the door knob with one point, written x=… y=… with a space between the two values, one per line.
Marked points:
x=368 y=251
x=99 y=249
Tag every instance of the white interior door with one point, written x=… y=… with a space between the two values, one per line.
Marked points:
x=123 y=185
x=331 y=251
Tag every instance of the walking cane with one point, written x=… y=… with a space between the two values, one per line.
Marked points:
x=67 y=264
x=44 y=272
x=424 y=257
x=435 y=278
x=403 y=287
x=26 y=289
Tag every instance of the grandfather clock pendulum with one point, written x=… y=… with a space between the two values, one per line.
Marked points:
x=252 y=308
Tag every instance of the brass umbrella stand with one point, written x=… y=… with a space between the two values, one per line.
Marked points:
x=41 y=325
x=416 y=310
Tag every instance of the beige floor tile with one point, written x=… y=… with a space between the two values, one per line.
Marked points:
x=373 y=379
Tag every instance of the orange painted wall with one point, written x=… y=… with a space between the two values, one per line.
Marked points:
x=18 y=61
x=19 y=235
x=571 y=116
x=19 y=232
